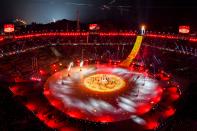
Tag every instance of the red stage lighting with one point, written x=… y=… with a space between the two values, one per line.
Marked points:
x=42 y=72
x=184 y=29
x=9 y=28
x=94 y=27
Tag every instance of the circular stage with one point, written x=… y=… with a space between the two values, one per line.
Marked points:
x=102 y=93
x=104 y=82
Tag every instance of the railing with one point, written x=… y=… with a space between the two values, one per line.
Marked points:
x=102 y=34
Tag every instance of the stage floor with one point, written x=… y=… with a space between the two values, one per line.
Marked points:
x=102 y=93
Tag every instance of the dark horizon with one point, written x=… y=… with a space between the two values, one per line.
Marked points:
x=152 y=12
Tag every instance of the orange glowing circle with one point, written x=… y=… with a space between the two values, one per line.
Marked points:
x=104 y=82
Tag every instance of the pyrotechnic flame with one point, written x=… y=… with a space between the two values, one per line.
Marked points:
x=81 y=64
x=70 y=66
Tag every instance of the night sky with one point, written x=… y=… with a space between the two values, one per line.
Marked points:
x=147 y=11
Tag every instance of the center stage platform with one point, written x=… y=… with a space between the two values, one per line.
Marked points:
x=103 y=93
